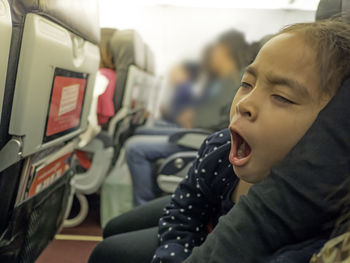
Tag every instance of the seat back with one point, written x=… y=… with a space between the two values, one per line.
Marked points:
x=139 y=90
x=62 y=12
x=336 y=247
x=148 y=91
x=128 y=49
x=153 y=90
x=52 y=63
x=133 y=87
x=150 y=60
x=60 y=83
x=328 y=8
x=5 y=40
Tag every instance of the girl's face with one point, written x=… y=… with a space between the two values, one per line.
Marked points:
x=277 y=102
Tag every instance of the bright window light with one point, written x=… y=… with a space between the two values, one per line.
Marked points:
x=254 y=4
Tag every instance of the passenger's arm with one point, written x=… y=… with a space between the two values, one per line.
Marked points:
x=185 y=118
x=293 y=204
x=185 y=220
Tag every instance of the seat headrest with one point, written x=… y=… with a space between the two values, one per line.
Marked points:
x=107 y=33
x=79 y=16
x=328 y=8
x=128 y=49
x=107 y=60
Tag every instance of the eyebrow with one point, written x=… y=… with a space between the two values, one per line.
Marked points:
x=279 y=80
x=290 y=83
x=251 y=70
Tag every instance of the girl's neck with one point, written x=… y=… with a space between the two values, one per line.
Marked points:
x=242 y=188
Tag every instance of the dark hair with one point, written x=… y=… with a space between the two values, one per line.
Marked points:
x=205 y=60
x=192 y=69
x=239 y=49
x=331 y=41
x=107 y=60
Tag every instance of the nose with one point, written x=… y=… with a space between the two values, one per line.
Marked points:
x=246 y=107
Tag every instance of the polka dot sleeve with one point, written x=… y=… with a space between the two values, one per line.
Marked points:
x=185 y=221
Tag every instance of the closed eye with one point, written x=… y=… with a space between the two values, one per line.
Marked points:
x=245 y=85
x=282 y=99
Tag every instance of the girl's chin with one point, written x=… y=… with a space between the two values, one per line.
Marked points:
x=244 y=174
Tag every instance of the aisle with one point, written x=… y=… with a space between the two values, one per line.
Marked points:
x=74 y=245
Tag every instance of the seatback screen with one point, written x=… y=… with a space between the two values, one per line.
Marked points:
x=66 y=103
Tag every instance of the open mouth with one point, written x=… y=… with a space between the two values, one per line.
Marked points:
x=240 y=149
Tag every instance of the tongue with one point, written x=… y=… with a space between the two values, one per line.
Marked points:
x=243 y=150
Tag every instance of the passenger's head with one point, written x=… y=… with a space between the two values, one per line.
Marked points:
x=206 y=61
x=106 y=54
x=293 y=77
x=230 y=53
x=183 y=72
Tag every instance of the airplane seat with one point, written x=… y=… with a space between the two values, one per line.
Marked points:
x=120 y=126
x=52 y=63
x=334 y=248
x=96 y=141
x=128 y=49
x=140 y=86
x=96 y=149
x=149 y=96
x=129 y=59
x=156 y=82
x=5 y=41
x=328 y=8
x=92 y=163
x=150 y=91
x=139 y=90
x=150 y=60
x=173 y=169
x=141 y=102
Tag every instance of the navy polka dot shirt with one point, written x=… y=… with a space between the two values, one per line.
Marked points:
x=201 y=198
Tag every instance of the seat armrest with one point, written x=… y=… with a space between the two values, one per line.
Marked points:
x=105 y=138
x=90 y=181
x=118 y=118
x=189 y=138
x=176 y=163
x=174 y=169
x=168 y=184
x=115 y=120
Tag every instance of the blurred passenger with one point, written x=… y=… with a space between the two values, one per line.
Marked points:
x=228 y=57
x=102 y=107
x=105 y=108
x=182 y=79
x=181 y=96
x=288 y=136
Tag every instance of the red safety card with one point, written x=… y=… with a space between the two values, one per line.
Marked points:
x=47 y=174
x=66 y=104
